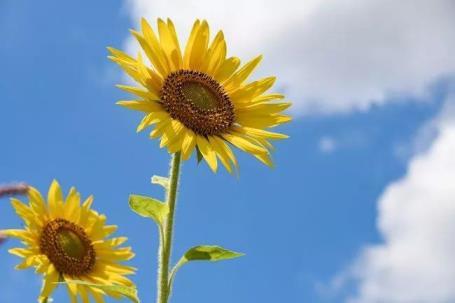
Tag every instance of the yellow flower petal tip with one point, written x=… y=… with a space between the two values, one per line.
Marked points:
x=66 y=240
x=207 y=93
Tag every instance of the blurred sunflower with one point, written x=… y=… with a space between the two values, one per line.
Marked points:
x=66 y=241
x=200 y=99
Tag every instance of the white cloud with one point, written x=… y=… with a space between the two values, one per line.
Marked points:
x=333 y=55
x=416 y=218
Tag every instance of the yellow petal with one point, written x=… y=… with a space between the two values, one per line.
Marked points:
x=55 y=199
x=207 y=152
x=188 y=144
x=171 y=133
x=221 y=153
x=150 y=79
x=199 y=49
x=141 y=105
x=262 y=108
x=143 y=93
x=190 y=43
x=242 y=74
x=109 y=229
x=264 y=158
x=151 y=118
x=84 y=293
x=49 y=282
x=21 y=252
x=153 y=51
x=25 y=235
x=247 y=93
x=121 y=55
x=227 y=68
x=157 y=56
x=23 y=210
x=28 y=262
x=259 y=133
x=97 y=295
x=244 y=144
x=222 y=144
x=216 y=54
x=72 y=289
x=170 y=44
x=159 y=128
x=115 y=241
x=176 y=144
x=72 y=209
x=269 y=97
x=119 y=254
x=37 y=202
x=261 y=121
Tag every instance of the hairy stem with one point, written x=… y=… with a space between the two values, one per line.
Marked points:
x=166 y=242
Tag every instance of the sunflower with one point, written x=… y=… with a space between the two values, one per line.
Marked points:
x=67 y=241
x=199 y=99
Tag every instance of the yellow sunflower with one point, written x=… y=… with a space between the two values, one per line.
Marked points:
x=199 y=98
x=68 y=241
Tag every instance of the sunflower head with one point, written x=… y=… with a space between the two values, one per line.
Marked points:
x=66 y=241
x=200 y=99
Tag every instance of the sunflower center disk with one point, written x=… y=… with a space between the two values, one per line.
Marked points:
x=71 y=244
x=68 y=247
x=200 y=95
x=198 y=101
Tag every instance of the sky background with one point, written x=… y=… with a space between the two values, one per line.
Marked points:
x=360 y=207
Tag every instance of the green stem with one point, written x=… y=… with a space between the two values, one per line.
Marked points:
x=166 y=242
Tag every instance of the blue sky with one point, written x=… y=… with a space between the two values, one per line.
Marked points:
x=302 y=225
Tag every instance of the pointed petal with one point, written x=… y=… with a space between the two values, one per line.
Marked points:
x=207 y=152
x=227 y=68
x=242 y=74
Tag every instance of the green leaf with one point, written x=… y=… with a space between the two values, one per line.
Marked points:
x=163 y=181
x=149 y=207
x=126 y=291
x=210 y=253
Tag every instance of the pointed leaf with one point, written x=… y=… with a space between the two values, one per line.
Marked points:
x=163 y=181
x=210 y=253
x=149 y=207
x=126 y=291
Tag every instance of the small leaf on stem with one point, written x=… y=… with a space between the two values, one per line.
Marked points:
x=149 y=207
x=210 y=253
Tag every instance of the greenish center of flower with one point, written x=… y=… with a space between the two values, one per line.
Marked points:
x=71 y=244
x=200 y=95
x=198 y=101
x=67 y=247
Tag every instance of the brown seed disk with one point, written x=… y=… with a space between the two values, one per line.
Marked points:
x=68 y=247
x=198 y=101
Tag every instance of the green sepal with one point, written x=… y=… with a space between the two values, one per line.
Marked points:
x=199 y=155
x=126 y=291
x=149 y=207
x=163 y=181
